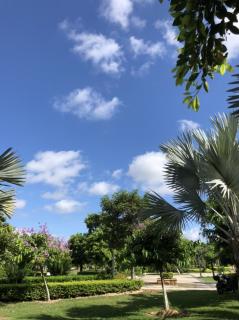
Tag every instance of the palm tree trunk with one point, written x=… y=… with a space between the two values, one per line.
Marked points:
x=45 y=285
x=132 y=271
x=165 y=295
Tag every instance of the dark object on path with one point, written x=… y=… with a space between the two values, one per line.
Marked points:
x=226 y=283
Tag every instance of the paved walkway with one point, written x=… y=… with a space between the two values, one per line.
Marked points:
x=187 y=281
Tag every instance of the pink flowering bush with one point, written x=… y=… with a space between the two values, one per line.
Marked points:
x=49 y=253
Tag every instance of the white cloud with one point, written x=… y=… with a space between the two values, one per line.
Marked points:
x=102 y=188
x=144 y=1
x=65 y=206
x=105 y=53
x=192 y=234
x=168 y=32
x=232 y=40
x=153 y=50
x=89 y=104
x=138 y=22
x=55 y=168
x=55 y=195
x=188 y=125
x=120 y=12
x=143 y=69
x=83 y=187
x=117 y=174
x=232 y=43
x=117 y=12
x=147 y=171
x=20 y=203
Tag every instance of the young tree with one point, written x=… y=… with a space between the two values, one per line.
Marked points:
x=154 y=248
x=78 y=246
x=97 y=250
x=15 y=259
x=39 y=244
x=119 y=217
x=59 y=261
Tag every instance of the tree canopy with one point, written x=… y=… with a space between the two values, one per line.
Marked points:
x=203 y=27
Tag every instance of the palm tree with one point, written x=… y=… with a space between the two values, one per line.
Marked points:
x=233 y=99
x=203 y=172
x=11 y=173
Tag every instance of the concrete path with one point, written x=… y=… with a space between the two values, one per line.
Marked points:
x=187 y=281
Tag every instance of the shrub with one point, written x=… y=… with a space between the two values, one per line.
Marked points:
x=63 y=290
x=168 y=275
x=50 y=279
x=197 y=270
x=87 y=273
x=59 y=262
x=120 y=275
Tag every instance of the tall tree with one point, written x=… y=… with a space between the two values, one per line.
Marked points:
x=119 y=217
x=202 y=166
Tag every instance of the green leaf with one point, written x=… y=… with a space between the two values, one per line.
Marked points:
x=222 y=69
x=179 y=81
x=187 y=100
x=189 y=83
x=186 y=19
x=234 y=29
x=193 y=76
x=195 y=104
x=205 y=86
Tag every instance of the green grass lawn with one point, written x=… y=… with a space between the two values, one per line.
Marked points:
x=208 y=280
x=201 y=305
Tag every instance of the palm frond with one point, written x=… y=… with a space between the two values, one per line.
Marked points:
x=219 y=150
x=181 y=168
x=7 y=203
x=164 y=214
x=233 y=100
x=11 y=169
x=192 y=203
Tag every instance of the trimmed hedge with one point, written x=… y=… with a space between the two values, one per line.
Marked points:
x=168 y=275
x=67 y=278
x=63 y=290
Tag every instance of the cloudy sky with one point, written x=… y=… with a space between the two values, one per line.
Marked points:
x=87 y=96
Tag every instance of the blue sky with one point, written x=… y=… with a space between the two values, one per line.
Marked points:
x=87 y=96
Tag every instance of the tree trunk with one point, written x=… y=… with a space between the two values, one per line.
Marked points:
x=213 y=271
x=113 y=264
x=45 y=285
x=81 y=268
x=200 y=271
x=132 y=271
x=165 y=295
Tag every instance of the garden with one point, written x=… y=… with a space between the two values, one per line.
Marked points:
x=138 y=231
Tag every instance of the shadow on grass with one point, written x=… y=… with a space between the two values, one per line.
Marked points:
x=105 y=308
x=200 y=304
